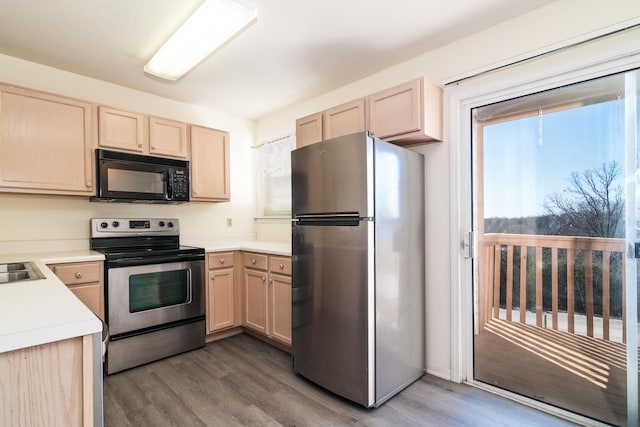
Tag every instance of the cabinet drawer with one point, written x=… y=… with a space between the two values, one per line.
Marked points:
x=280 y=265
x=221 y=260
x=256 y=261
x=72 y=274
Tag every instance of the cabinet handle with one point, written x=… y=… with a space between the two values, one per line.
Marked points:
x=253 y=260
x=270 y=280
x=264 y=278
x=221 y=260
x=78 y=275
x=89 y=184
x=281 y=266
x=212 y=277
x=140 y=144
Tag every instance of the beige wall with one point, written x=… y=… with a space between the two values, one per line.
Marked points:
x=559 y=21
x=47 y=218
x=38 y=218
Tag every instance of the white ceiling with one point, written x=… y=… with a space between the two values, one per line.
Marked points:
x=295 y=50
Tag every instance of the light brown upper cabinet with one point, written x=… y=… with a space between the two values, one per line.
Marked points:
x=46 y=143
x=209 y=165
x=309 y=129
x=168 y=138
x=344 y=119
x=138 y=133
x=340 y=120
x=407 y=114
x=120 y=130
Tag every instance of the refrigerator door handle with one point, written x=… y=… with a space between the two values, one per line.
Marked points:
x=328 y=219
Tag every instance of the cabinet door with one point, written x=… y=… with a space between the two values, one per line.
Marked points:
x=120 y=130
x=209 y=164
x=46 y=143
x=396 y=110
x=167 y=138
x=308 y=130
x=280 y=308
x=91 y=296
x=344 y=119
x=256 y=300
x=220 y=304
x=86 y=281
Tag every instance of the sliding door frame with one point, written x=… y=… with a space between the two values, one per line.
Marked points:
x=609 y=55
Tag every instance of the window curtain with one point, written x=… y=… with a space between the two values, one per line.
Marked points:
x=274 y=175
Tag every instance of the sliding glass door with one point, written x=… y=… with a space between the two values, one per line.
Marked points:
x=556 y=215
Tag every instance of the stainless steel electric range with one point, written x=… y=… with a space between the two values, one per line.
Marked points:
x=154 y=290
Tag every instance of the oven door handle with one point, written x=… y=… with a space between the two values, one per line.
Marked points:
x=147 y=260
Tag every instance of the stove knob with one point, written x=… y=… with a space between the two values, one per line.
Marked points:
x=115 y=223
x=103 y=225
x=170 y=224
x=161 y=223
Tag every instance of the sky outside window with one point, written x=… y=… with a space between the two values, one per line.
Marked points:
x=523 y=165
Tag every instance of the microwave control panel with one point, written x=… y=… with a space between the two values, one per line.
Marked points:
x=180 y=184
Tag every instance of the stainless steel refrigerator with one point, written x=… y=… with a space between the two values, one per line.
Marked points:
x=358 y=322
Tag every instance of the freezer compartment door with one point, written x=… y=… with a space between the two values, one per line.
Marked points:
x=332 y=296
x=333 y=176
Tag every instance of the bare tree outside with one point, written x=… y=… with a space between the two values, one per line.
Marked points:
x=592 y=205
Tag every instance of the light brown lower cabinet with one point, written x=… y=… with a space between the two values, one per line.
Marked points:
x=48 y=385
x=280 y=308
x=267 y=289
x=255 y=288
x=86 y=281
x=220 y=292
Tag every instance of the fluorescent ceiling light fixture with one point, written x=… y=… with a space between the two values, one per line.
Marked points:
x=210 y=26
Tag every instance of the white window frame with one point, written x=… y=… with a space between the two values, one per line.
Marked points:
x=274 y=177
x=595 y=58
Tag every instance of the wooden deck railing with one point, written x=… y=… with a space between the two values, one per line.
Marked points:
x=497 y=255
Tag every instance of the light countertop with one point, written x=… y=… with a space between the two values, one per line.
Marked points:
x=274 y=248
x=41 y=311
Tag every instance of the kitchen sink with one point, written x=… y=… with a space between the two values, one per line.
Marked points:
x=19 y=271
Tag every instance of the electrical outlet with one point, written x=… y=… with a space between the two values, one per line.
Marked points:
x=229 y=222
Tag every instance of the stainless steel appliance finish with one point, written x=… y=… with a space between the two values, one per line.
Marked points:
x=126 y=177
x=358 y=267
x=156 y=312
x=153 y=345
x=154 y=293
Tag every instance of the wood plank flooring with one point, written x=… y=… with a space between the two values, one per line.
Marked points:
x=241 y=381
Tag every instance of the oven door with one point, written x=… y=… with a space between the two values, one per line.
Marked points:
x=146 y=296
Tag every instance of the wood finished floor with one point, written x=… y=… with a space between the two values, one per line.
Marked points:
x=242 y=381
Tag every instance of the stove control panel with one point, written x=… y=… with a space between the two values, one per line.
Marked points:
x=113 y=227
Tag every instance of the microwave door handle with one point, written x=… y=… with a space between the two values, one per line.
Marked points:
x=169 y=186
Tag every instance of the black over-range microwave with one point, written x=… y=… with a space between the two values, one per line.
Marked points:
x=126 y=177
